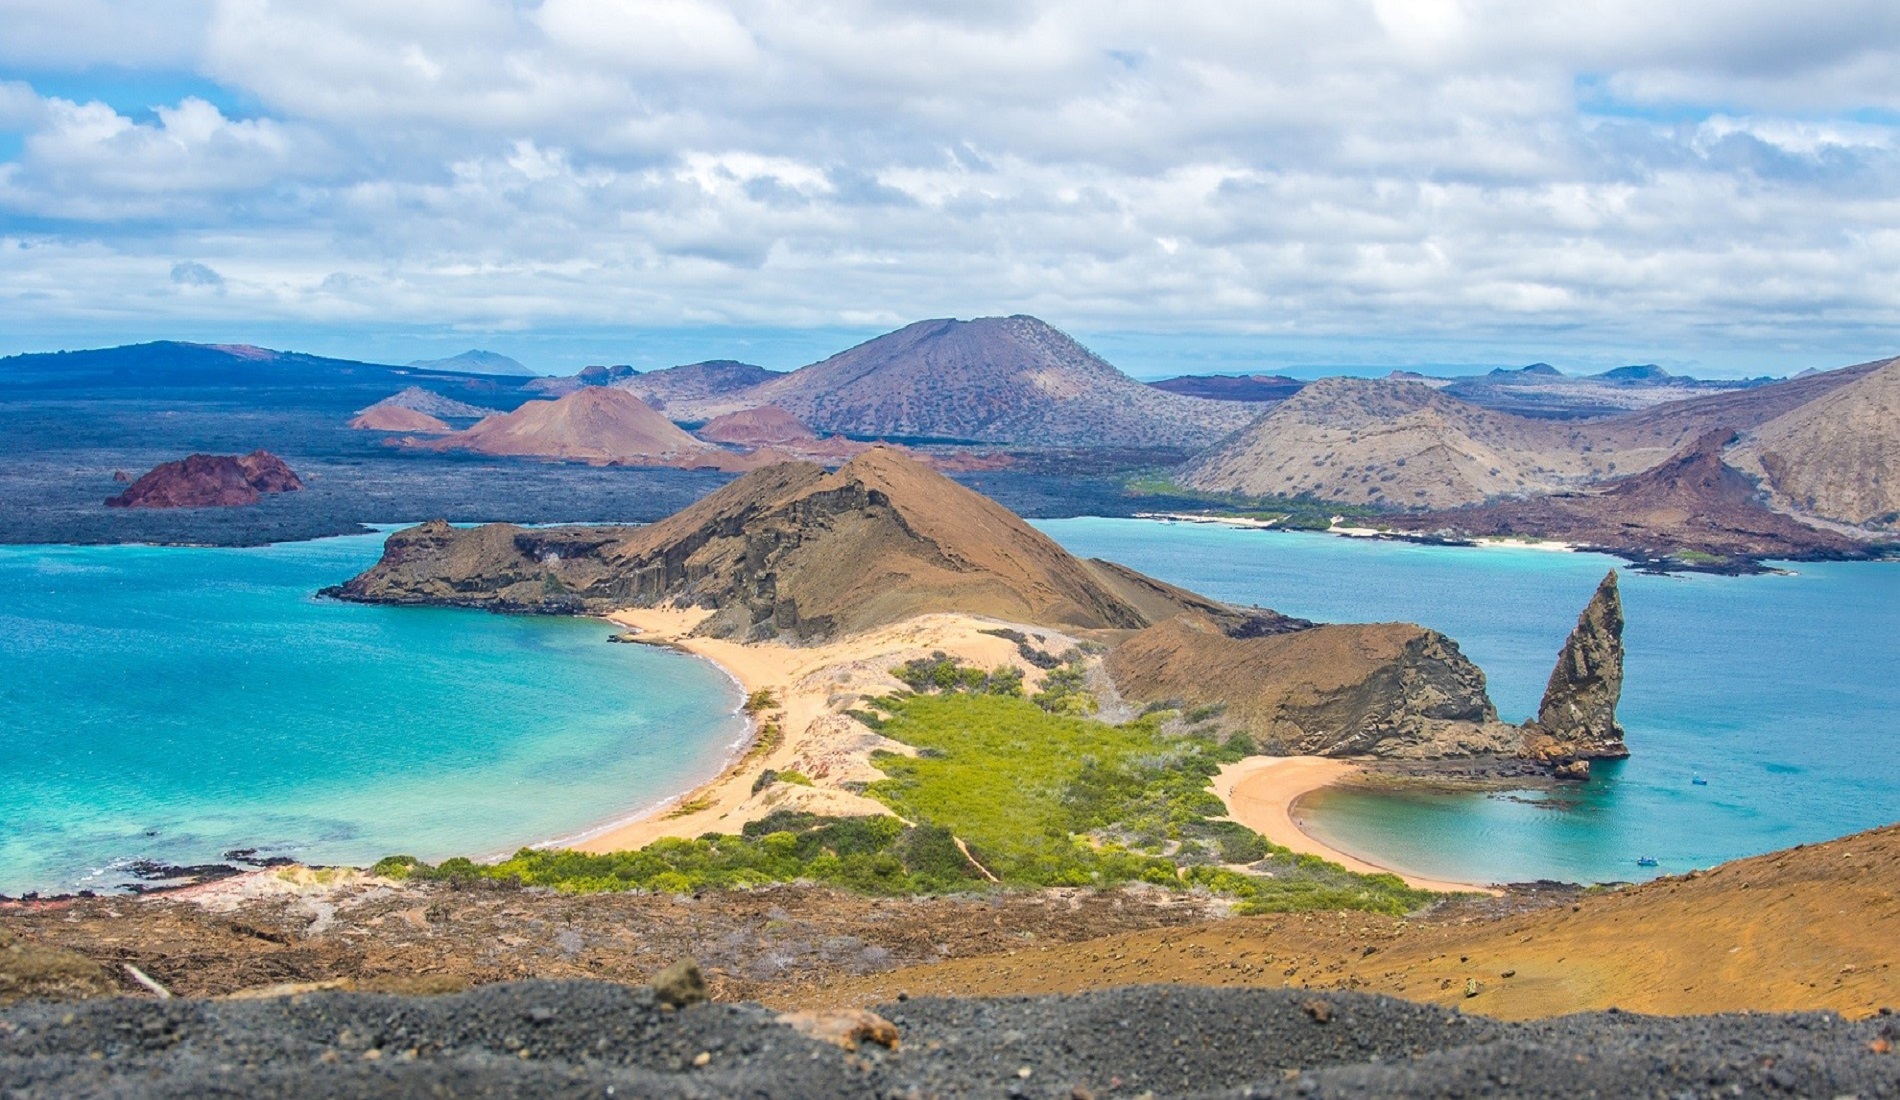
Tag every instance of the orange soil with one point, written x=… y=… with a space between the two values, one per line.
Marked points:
x=1806 y=929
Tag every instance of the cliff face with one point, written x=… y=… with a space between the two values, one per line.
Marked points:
x=209 y=481
x=789 y=550
x=1381 y=689
x=1576 y=722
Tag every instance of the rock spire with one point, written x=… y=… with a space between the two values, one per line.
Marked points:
x=1576 y=722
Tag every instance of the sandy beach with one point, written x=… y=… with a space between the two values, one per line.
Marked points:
x=1263 y=792
x=811 y=688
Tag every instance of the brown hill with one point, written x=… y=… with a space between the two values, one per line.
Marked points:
x=382 y=417
x=1392 y=442
x=761 y=427
x=209 y=481
x=597 y=425
x=1693 y=502
x=1646 y=438
x=663 y=389
x=1812 y=928
x=1838 y=455
x=789 y=550
x=1011 y=380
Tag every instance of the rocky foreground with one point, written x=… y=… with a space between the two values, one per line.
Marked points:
x=595 y=1039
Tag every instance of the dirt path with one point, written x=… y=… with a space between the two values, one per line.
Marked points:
x=1263 y=793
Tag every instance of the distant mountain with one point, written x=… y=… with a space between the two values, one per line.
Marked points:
x=1395 y=443
x=1540 y=390
x=1644 y=374
x=596 y=425
x=1837 y=456
x=476 y=361
x=663 y=389
x=1009 y=380
x=1227 y=387
x=171 y=363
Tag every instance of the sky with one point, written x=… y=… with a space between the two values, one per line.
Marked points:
x=1190 y=185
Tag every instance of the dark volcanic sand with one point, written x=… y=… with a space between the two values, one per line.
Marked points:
x=597 y=1039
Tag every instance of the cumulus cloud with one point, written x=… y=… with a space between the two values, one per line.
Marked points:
x=1441 y=172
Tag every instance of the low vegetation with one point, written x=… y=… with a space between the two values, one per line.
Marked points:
x=1040 y=793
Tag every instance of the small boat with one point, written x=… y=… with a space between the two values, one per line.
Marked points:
x=1646 y=861
x=1698 y=781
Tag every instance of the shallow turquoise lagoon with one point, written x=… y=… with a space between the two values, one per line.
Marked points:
x=1783 y=692
x=171 y=704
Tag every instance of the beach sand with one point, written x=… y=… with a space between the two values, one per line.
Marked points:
x=812 y=687
x=1263 y=793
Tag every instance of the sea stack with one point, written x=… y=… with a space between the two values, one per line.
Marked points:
x=1576 y=722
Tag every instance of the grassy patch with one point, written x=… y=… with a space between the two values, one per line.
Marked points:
x=1054 y=799
x=875 y=855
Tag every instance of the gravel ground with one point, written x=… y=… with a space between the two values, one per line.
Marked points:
x=599 y=1039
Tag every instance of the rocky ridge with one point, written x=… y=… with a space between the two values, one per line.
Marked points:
x=210 y=481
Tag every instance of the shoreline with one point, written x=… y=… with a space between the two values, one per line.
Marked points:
x=1264 y=792
x=805 y=730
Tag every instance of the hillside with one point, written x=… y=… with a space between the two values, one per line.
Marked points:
x=1693 y=502
x=1009 y=380
x=789 y=550
x=1395 y=443
x=596 y=424
x=1838 y=456
x=166 y=363
x=760 y=427
x=694 y=382
x=431 y=403
x=385 y=417
x=1810 y=928
x=1540 y=390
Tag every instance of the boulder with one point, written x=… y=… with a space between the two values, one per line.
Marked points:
x=1576 y=721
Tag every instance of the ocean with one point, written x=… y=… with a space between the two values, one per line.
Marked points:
x=171 y=704
x=1781 y=692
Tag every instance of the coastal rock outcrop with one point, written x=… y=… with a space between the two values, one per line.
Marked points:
x=788 y=551
x=209 y=481
x=1383 y=689
x=1576 y=722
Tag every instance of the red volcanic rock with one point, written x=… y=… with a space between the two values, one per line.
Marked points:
x=210 y=481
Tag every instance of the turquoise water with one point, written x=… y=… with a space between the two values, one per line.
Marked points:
x=1783 y=692
x=170 y=704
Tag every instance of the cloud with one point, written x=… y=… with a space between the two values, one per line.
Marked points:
x=1699 y=173
x=193 y=273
